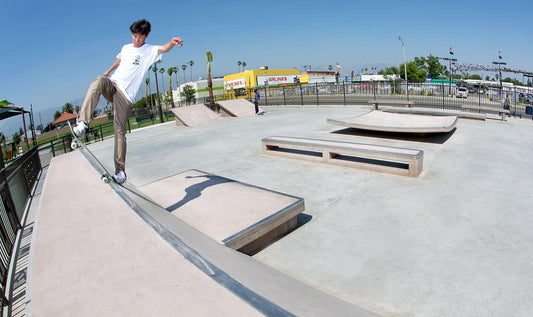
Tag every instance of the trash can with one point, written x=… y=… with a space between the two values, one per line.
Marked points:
x=529 y=110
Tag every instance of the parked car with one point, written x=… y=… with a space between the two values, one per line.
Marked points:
x=461 y=92
x=523 y=98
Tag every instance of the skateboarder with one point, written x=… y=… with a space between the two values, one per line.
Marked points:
x=129 y=69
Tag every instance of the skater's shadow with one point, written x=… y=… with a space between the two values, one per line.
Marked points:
x=194 y=191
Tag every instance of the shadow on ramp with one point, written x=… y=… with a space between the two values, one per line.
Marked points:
x=436 y=138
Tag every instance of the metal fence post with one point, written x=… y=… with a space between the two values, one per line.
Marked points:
x=442 y=95
x=344 y=92
x=301 y=94
x=316 y=87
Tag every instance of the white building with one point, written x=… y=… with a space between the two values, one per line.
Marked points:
x=202 y=92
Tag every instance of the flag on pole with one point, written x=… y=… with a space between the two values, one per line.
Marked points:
x=500 y=54
x=451 y=51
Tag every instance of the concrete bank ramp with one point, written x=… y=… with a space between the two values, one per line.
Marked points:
x=236 y=108
x=195 y=115
x=101 y=250
x=398 y=122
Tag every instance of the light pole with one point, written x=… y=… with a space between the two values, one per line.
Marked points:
x=404 y=67
x=500 y=70
x=451 y=60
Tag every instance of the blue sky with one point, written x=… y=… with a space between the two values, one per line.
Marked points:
x=52 y=50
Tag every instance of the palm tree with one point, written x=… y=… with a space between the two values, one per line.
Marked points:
x=330 y=67
x=162 y=71
x=176 y=71
x=147 y=80
x=157 y=87
x=68 y=107
x=239 y=63
x=191 y=63
x=243 y=65
x=170 y=70
x=184 y=67
x=209 y=57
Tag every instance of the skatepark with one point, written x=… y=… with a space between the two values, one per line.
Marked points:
x=451 y=240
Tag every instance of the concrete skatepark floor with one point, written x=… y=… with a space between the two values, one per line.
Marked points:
x=454 y=241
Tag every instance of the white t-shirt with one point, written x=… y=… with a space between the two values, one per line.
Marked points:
x=134 y=63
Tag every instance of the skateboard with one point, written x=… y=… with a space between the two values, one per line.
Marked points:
x=78 y=143
x=260 y=113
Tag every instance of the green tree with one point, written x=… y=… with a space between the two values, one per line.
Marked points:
x=209 y=57
x=243 y=65
x=147 y=81
x=16 y=138
x=184 y=67
x=475 y=76
x=191 y=63
x=77 y=109
x=393 y=70
x=239 y=63
x=188 y=92
x=176 y=71
x=68 y=107
x=415 y=73
x=431 y=65
x=162 y=71
x=515 y=81
x=57 y=114
x=170 y=70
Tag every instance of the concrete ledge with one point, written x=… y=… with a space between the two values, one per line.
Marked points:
x=436 y=112
x=384 y=159
x=236 y=108
x=195 y=115
x=499 y=111
x=375 y=103
x=398 y=122
x=240 y=216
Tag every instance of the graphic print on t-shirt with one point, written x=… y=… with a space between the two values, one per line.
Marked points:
x=137 y=60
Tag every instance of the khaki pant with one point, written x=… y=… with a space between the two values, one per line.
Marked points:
x=103 y=86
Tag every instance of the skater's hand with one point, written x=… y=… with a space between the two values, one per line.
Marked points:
x=177 y=41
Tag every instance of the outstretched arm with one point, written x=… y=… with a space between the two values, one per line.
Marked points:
x=112 y=68
x=167 y=47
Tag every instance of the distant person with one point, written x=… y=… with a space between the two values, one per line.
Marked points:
x=120 y=89
x=507 y=102
x=256 y=99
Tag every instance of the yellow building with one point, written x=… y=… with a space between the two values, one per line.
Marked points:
x=241 y=85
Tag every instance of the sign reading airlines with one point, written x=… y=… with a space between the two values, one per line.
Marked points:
x=235 y=83
x=276 y=79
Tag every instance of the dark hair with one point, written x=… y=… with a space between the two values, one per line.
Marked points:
x=141 y=27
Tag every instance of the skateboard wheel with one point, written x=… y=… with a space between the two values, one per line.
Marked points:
x=105 y=179
x=74 y=144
